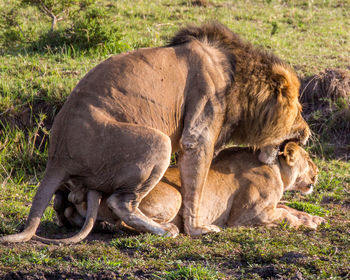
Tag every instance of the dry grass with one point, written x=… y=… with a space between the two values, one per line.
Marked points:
x=326 y=105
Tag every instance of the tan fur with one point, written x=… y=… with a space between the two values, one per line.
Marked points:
x=117 y=129
x=240 y=191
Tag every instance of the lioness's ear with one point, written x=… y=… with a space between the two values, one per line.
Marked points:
x=290 y=152
x=288 y=82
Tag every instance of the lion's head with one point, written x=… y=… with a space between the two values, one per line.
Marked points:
x=275 y=116
x=299 y=172
x=269 y=100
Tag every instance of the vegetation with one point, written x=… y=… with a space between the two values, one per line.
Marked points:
x=39 y=66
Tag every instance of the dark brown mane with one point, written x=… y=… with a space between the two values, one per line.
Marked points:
x=223 y=38
x=213 y=32
x=255 y=81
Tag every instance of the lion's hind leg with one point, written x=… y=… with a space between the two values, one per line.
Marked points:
x=133 y=217
x=144 y=172
x=125 y=204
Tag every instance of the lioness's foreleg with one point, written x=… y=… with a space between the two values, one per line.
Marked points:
x=279 y=215
x=307 y=219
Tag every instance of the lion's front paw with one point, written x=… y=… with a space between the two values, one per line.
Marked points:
x=171 y=229
x=268 y=154
x=202 y=230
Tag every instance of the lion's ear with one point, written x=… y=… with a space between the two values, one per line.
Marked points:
x=288 y=83
x=290 y=153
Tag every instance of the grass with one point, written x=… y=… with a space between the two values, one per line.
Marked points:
x=308 y=208
x=310 y=35
x=191 y=272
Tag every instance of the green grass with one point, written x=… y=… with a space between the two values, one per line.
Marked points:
x=191 y=272
x=309 y=208
x=311 y=35
x=36 y=80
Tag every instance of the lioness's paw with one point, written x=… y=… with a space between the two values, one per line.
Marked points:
x=310 y=220
x=318 y=220
x=203 y=230
x=309 y=224
x=171 y=229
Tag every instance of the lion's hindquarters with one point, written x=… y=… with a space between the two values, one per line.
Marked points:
x=147 y=163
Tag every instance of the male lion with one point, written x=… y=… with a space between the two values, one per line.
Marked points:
x=239 y=191
x=117 y=129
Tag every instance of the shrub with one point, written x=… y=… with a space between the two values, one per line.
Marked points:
x=11 y=32
x=58 y=10
x=90 y=29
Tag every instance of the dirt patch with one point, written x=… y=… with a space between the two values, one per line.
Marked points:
x=322 y=91
x=292 y=257
x=201 y=3
x=57 y=275
x=326 y=107
x=29 y=118
x=267 y=272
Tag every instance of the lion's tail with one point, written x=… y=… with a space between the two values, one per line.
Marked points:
x=53 y=178
x=93 y=203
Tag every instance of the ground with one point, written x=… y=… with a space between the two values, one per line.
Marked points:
x=37 y=73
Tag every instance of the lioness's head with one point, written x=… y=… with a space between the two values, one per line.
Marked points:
x=298 y=170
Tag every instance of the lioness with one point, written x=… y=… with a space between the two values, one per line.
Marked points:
x=239 y=190
x=117 y=129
